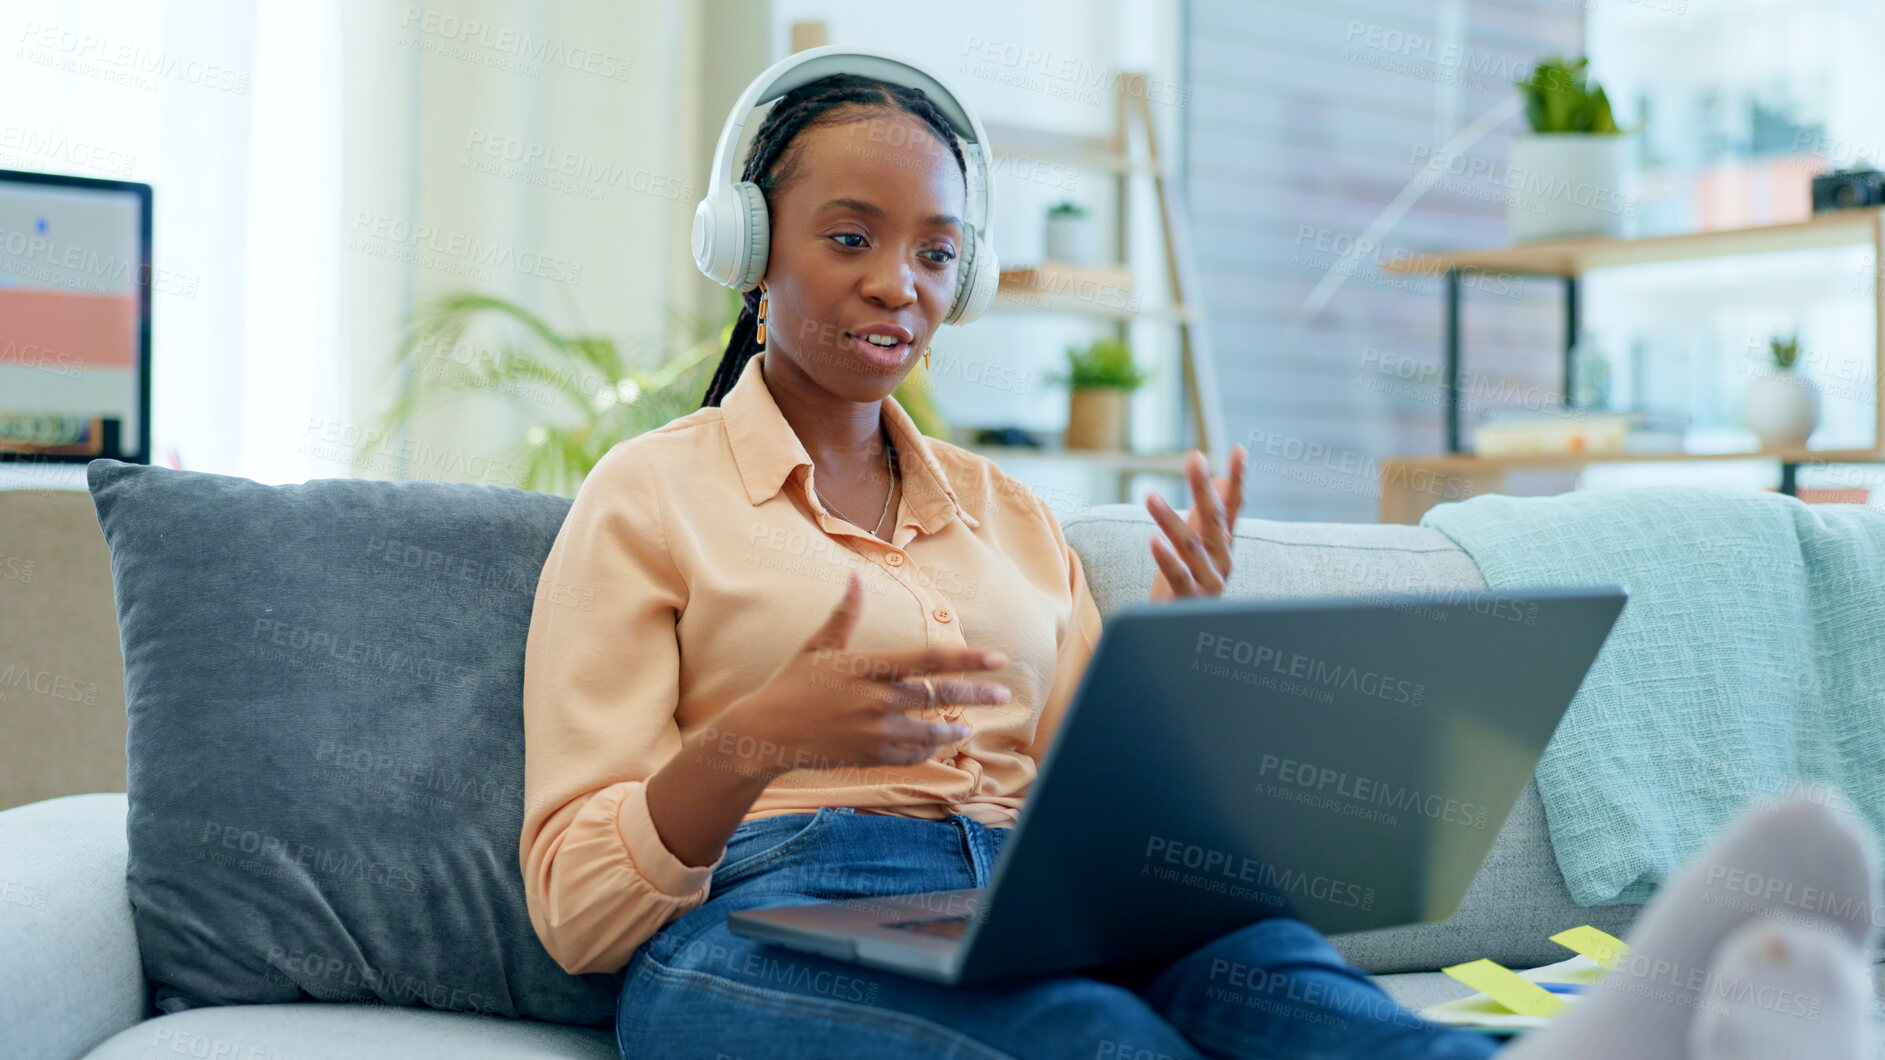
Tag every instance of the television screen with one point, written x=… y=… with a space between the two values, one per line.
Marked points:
x=75 y=285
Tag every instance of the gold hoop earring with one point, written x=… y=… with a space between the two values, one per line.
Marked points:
x=760 y=337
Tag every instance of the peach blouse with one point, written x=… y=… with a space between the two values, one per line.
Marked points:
x=694 y=561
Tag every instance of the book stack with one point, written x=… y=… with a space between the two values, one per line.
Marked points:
x=1572 y=431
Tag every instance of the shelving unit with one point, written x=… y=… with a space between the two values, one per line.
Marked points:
x=1113 y=154
x=1404 y=497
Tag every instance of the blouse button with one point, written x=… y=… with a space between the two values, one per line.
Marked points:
x=895 y=559
x=942 y=614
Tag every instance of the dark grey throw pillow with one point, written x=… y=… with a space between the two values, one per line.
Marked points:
x=325 y=746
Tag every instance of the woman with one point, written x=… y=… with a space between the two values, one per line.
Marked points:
x=825 y=656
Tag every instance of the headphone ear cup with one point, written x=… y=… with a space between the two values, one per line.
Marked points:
x=756 y=225
x=975 y=287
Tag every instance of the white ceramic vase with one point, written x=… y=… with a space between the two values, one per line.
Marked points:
x=1070 y=238
x=1567 y=185
x=1782 y=409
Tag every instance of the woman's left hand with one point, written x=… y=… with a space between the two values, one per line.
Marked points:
x=1195 y=561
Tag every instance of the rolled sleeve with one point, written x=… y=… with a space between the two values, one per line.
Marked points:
x=657 y=863
x=601 y=688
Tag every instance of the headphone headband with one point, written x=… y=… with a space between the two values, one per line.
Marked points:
x=731 y=228
x=802 y=68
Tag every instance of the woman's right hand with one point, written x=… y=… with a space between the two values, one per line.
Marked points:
x=828 y=707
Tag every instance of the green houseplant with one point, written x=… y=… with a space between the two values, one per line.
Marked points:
x=1560 y=98
x=1069 y=235
x=1782 y=406
x=579 y=393
x=1567 y=177
x=1786 y=351
x=1100 y=378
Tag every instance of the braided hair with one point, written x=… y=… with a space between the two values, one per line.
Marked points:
x=804 y=107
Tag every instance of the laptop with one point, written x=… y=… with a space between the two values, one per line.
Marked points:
x=1346 y=762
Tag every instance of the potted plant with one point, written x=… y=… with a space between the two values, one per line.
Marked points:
x=1782 y=407
x=1100 y=379
x=1069 y=234
x=580 y=394
x=1567 y=177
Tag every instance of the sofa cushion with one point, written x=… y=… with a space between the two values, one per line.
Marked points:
x=357 y=1032
x=69 y=977
x=324 y=684
x=1519 y=898
x=1273 y=559
x=1515 y=903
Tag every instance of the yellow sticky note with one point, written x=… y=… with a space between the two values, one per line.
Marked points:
x=1507 y=987
x=1600 y=946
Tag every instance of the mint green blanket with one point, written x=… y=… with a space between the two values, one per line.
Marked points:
x=1749 y=662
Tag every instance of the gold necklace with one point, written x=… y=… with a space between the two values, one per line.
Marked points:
x=890 y=454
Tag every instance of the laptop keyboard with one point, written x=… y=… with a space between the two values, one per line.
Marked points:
x=948 y=927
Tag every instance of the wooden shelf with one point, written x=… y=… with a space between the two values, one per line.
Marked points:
x=1470 y=462
x=1022 y=301
x=1403 y=499
x=1059 y=291
x=1116 y=459
x=1570 y=257
x=1410 y=485
x=1067 y=149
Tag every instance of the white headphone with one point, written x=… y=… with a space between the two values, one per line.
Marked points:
x=731 y=230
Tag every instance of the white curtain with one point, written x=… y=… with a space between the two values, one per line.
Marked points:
x=227 y=110
x=290 y=145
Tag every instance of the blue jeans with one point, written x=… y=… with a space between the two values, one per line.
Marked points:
x=1274 y=988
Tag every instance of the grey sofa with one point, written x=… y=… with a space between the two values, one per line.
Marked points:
x=72 y=984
